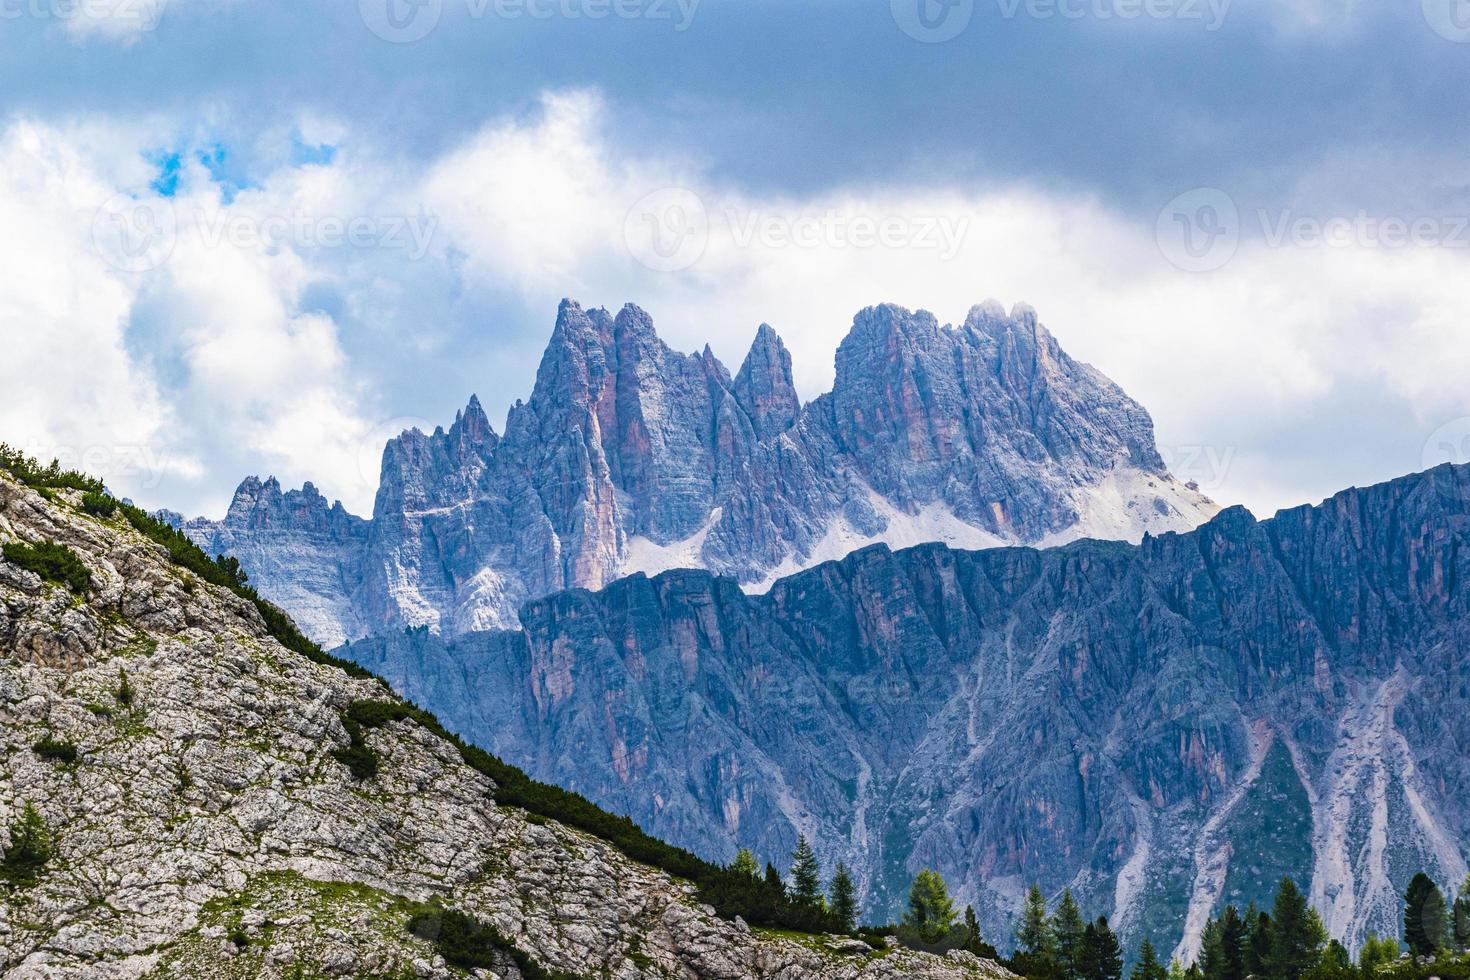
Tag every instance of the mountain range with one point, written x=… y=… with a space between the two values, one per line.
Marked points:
x=955 y=613
x=630 y=457
x=1161 y=727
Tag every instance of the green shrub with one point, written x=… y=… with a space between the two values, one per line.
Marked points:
x=53 y=562
x=124 y=693
x=33 y=474
x=359 y=759
x=55 y=750
x=98 y=504
x=29 y=850
x=468 y=943
x=376 y=714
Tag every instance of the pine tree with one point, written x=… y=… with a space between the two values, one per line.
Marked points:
x=745 y=864
x=974 y=942
x=1335 y=964
x=1148 y=966
x=1067 y=928
x=1462 y=917
x=1232 y=944
x=1176 y=970
x=1034 y=935
x=1258 y=942
x=1211 y=952
x=842 y=899
x=29 y=850
x=1425 y=919
x=1297 y=935
x=124 y=692
x=1100 y=958
x=773 y=880
x=931 y=912
x=1376 y=952
x=806 y=874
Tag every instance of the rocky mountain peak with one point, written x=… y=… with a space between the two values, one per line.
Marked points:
x=633 y=327
x=887 y=329
x=262 y=504
x=632 y=456
x=472 y=426
x=765 y=388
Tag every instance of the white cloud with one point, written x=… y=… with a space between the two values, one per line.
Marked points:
x=122 y=21
x=219 y=365
x=1219 y=358
x=72 y=391
x=172 y=374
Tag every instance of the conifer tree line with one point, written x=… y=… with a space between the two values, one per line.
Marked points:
x=1288 y=942
x=931 y=920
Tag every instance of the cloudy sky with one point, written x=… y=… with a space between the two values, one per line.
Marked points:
x=261 y=236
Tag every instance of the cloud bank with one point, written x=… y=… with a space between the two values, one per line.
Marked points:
x=271 y=326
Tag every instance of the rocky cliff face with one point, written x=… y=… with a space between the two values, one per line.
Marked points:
x=306 y=552
x=1161 y=726
x=203 y=828
x=632 y=457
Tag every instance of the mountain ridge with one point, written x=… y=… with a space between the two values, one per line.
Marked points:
x=630 y=456
x=1174 y=692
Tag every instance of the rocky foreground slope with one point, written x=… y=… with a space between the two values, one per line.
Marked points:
x=199 y=825
x=630 y=456
x=1163 y=727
